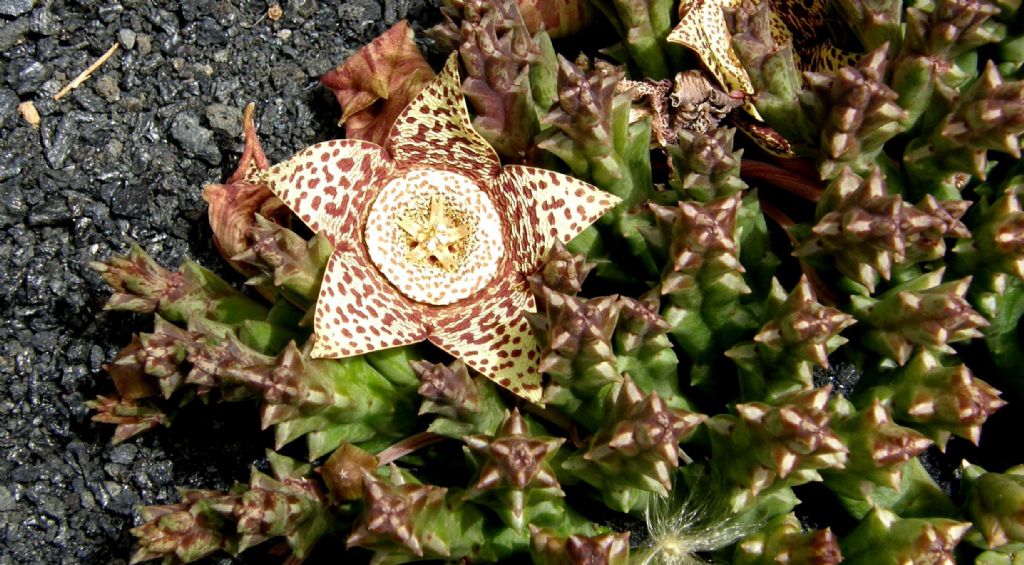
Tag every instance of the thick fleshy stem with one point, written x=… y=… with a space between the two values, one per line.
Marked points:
x=283 y=259
x=515 y=478
x=549 y=548
x=171 y=358
x=498 y=54
x=997 y=247
x=403 y=520
x=328 y=401
x=867 y=232
x=938 y=400
x=703 y=280
x=921 y=313
x=876 y=22
x=925 y=73
x=586 y=126
x=130 y=417
x=463 y=404
x=562 y=272
x=704 y=165
x=590 y=131
x=987 y=116
x=786 y=440
x=643 y=26
x=995 y=504
x=289 y=504
x=878 y=447
x=776 y=78
x=884 y=537
x=644 y=351
x=862 y=114
x=141 y=285
x=636 y=448
x=798 y=335
x=576 y=335
x=783 y=540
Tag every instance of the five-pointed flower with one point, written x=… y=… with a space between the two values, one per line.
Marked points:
x=433 y=238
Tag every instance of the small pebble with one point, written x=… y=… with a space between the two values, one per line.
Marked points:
x=15 y=7
x=59 y=145
x=194 y=138
x=106 y=86
x=29 y=113
x=224 y=119
x=126 y=37
x=145 y=43
x=304 y=8
x=123 y=454
x=29 y=76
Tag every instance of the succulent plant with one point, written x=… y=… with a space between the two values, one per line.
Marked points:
x=580 y=320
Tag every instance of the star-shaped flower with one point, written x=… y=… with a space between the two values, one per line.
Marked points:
x=433 y=238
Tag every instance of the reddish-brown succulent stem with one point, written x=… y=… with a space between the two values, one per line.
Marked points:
x=415 y=442
x=825 y=294
x=777 y=176
x=797 y=166
x=779 y=217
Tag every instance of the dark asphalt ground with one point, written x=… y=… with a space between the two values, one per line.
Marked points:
x=125 y=158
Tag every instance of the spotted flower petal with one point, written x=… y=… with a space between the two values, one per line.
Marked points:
x=491 y=335
x=433 y=238
x=434 y=131
x=545 y=207
x=359 y=312
x=702 y=28
x=330 y=185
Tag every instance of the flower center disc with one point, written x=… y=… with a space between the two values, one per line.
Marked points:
x=435 y=235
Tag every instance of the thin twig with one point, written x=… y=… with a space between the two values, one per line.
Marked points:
x=396 y=451
x=782 y=178
x=87 y=72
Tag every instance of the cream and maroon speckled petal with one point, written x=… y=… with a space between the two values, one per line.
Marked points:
x=490 y=333
x=359 y=312
x=543 y=206
x=703 y=29
x=330 y=185
x=434 y=131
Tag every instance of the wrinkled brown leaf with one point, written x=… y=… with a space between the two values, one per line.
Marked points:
x=558 y=17
x=374 y=85
x=234 y=203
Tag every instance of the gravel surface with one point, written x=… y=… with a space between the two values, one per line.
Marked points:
x=124 y=157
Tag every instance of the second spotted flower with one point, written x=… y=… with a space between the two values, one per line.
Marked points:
x=433 y=237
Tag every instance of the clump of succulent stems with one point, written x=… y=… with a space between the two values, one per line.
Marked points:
x=768 y=351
